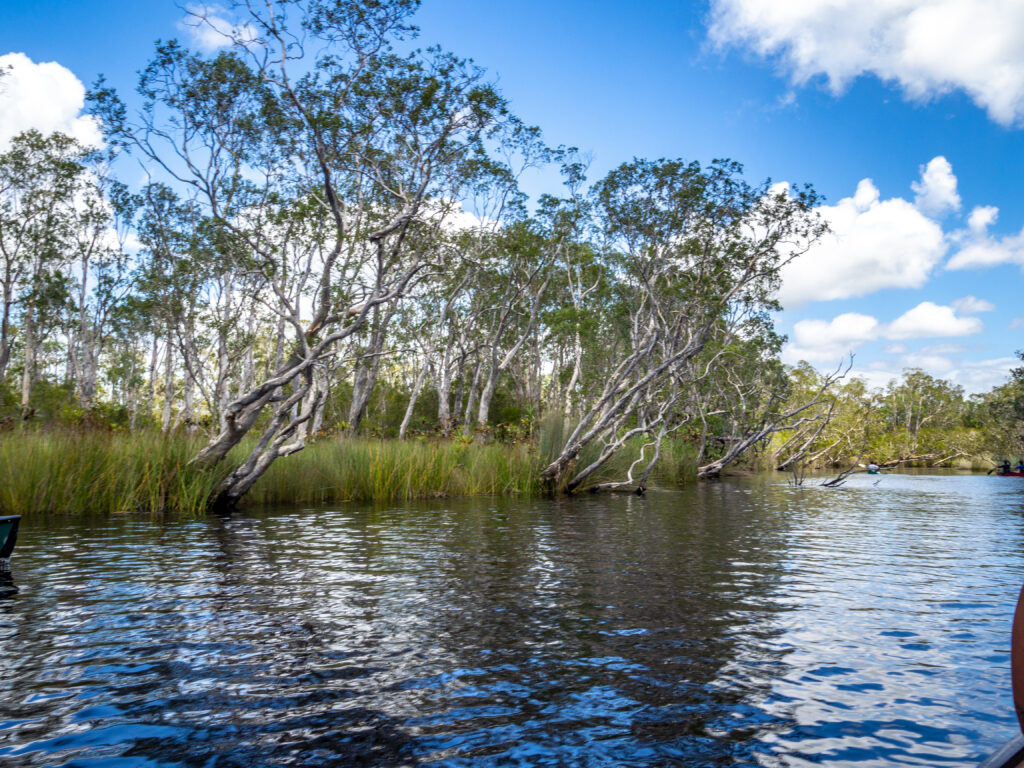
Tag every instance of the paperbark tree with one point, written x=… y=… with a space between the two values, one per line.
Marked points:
x=39 y=178
x=518 y=274
x=694 y=245
x=310 y=109
x=757 y=402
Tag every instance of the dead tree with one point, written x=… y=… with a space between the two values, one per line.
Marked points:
x=769 y=419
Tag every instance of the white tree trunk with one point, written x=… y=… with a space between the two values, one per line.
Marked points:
x=420 y=378
x=165 y=417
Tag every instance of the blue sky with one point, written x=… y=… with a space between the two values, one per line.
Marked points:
x=922 y=270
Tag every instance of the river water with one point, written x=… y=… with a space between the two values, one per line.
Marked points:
x=742 y=622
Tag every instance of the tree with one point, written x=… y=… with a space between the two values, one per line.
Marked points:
x=914 y=409
x=360 y=137
x=695 y=247
x=1002 y=414
x=40 y=180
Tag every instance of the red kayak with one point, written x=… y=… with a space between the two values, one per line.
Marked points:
x=1011 y=474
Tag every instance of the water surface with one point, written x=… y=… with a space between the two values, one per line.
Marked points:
x=743 y=622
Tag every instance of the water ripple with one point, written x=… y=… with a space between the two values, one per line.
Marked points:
x=736 y=623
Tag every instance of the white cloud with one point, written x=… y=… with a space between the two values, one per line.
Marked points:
x=989 y=252
x=829 y=341
x=982 y=217
x=876 y=377
x=975 y=376
x=943 y=349
x=978 y=248
x=983 y=375
x=874 y=244
x=46 y=96
x=928 y=320
x=936 y=193
x=934 y=364
x=971 y=305
x=927 y=47
x=209 y=29
x=453 y=217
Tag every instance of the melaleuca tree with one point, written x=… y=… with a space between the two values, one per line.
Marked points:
x=696 y=245
x=578 y=279
x=41 y=178
x=1001 y=415
x=310 y=104
x=753 y=397
x=914 y=408
x=99 y=271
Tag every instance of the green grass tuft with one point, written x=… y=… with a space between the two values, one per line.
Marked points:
x=101 y=473
x=77 y=473
x=97 y=472
x=393 y=470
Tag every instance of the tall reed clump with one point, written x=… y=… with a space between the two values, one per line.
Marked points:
x=393 y=470
x=678 y=463
x=77 y=472
x=102 y=473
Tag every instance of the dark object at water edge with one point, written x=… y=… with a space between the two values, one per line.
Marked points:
x=8 y=535
x=1011 y=754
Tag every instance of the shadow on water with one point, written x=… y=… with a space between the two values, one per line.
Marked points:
x=735 y=623
x=7 y=585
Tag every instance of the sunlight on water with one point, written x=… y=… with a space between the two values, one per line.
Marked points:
x=736 y=623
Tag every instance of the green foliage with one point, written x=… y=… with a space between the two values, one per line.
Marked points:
x=916 y=419
x=1000 y=413
x=300 y=184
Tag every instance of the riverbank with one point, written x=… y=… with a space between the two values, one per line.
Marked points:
x=98 y=471
x=75 y=471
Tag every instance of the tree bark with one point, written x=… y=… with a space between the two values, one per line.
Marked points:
x=6 y=336
x=413 y=396
x=165 y=418
x=28 y=375
x=367 y=368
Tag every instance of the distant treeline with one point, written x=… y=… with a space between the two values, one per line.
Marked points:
x=917 y=420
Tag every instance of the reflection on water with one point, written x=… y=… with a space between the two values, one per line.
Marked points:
x=737 y=623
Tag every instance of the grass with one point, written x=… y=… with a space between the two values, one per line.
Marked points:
x=101 y=473
x=72 y=472
x=393 y=470
x=98 y=472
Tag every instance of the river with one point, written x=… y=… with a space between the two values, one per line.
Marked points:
x=741 y=622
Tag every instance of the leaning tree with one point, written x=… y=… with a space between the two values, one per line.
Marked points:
x=695 y=251
x=309 y=111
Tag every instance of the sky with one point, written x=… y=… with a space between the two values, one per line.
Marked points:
x=907 y=115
